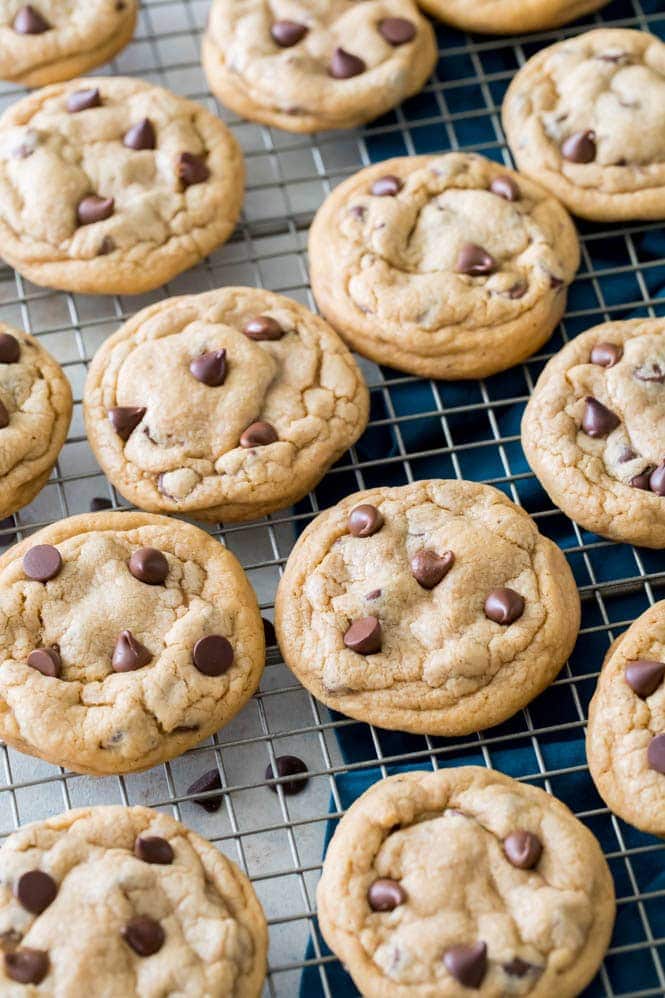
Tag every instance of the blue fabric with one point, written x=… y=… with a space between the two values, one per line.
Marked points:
x=511 y=748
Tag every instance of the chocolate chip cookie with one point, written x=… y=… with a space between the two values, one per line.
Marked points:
x=436 y=607
x=435 y=883
x=226 y=405
x=124 y=640
x=35 y=412
x=594 y=430
x=50 y=40
x=444 y=266
x=586 y=118
x=626 y=733
x=125 y=901
x=113 y=186
x=509 y=17
x=306 y=67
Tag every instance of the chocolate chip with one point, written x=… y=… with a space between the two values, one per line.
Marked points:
x=556 y=282
x=428 y=568
x=474 y=260
x=642 y=481
x=627 y=454
x=144 y=935
x=47 y=661
x=344 y=65
x=10 y=349
x=644 y=676
x=606 y=354
x=579 y=147
x=656 y=754
x=657 y=480
x=505 y=187
x=4 y=416
x=99 y=503
x=125 y=419
x=358 y=211
x=27 y=966
x=106 y=246
x=213 y=655
x=288 y=33
x=29 y=21
x=42 y=562
x=364 y=520
x=518 y=967
x=387 y=186
x=153 y=849
x=650 y=372
x=385 y=895
x=35 y=890
x=467 y=964
x=129 y=654
x=259 y=435
x=288 y=765
x=523 y=849
x=517 y=291
x=375 y=593
x=94 y=209
x=191 y=169
x=263 y=327
x=210 y=780
x=210 y=368
x=397 y=30
x=269 y=632
x=364 y=636
x=141 y=136
x=82 y=100
x=598 y=420
x=504 y=606
x=149 y=565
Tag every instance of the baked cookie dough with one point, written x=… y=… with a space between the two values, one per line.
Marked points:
x=586 y=118
x=125 y=901
x=594 y=431
x=436 y=607
x=113 y=185
x=124 y=640
x=35 y=412
x=226 y=405
x=626 y=732
x=509 y=17
x=444 y=266
x=49 y=40
x=435 y=883
x=306 y=67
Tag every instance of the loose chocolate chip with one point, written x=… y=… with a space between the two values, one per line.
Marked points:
x=504 y=606
x=27 y=966
x=29 y=21
x=259 y=435
x=288 y=33
x=153 y=849
x=288 y=765
x=263 y=327
x=210 y=780
x=129 y=654
x=579 y=147
x=269 y=632
x=642 y=481
x=364 y=520
x=428 y=568
x=650 y=372
x=505 y=187
x=385 y=895
x=657 y=480
x=47 y=661
x=210 y=368
x=4 y=416
x=397 y=30
x=474 y=260
x=364 y=636
x=344 y=65
x=598 y=420
x=656 y=754
x=125 y=419
x=467 y=964
x=42 y=562
x=213 y=655
x=606 y=354
x=644 y=677
x=82 y=100
x=149 y=565
x=141 y=136
x=191 y=169
x=94 y=209
x=387 y=186
x=144 y=935
x=99 y=503
x=35 y=890
x=10 y=349
x=518 y=967
x=523 y=849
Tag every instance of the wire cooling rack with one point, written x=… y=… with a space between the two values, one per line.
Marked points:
x=418 y=429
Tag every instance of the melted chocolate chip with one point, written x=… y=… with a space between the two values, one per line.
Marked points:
x=259 y=434
x=35 y=891
x=523 y=849
x=652 y=371
x=210 y=780
x=291 y=766
x=83 y=100
x=94 y=209
x=210 y=368
x=467 y=964
x=364 y=636
x=47 y=661
x=385 y=895
x=153 y=849
x=657 y=480
x=505 y=187
x=149 y=565
x=644 y=676
x=27 y=966
x=504 y=606
x=579 y=147
x=364 y=520
x=141 y=136
x=606 y=354
x=4 y=416
x=474 y=260
x=10 y=349
x=191 y=169
x=642 y=481
x=129 y=654
x=428 y=568
x=288 y=33
x=344 y=65
x=598 y=420
x=144 y=935
x=125 y=419
x=42 y=562
x=397 y=30
x=29 y=21
x=263 y=327
x=213 y=655
x=656 y=754
x=518 y=967
x=387 y=186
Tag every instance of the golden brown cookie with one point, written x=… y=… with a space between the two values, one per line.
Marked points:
x=509 y=17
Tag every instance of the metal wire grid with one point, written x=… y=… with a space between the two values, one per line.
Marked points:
x=472 y=432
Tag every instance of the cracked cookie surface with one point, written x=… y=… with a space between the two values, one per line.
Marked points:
x=113 y=186
x=111 y=665
x=444 y=266
x=52 y=40
x=464 y=878
x=111 y=879
x=306 y=66
x=594 y=428
x=509 y=17
x=626 y=732
x=586 y=118
x=436 y=607
x=277 y=399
